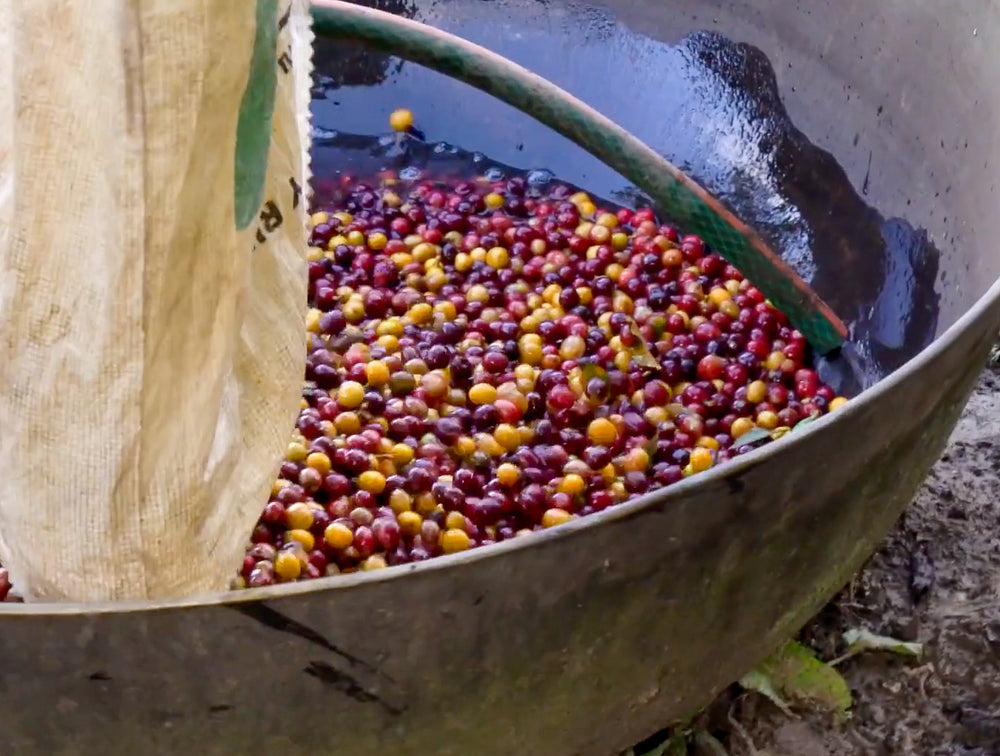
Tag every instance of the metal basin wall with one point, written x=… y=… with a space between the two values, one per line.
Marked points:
x=584 y=640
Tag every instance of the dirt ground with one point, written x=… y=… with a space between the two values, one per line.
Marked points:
x=936 y=581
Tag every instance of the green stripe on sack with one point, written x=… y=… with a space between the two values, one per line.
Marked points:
x=253 y=132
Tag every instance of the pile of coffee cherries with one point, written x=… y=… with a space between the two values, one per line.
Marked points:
x=488 y=358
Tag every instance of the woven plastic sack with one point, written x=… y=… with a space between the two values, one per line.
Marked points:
x=153 y=157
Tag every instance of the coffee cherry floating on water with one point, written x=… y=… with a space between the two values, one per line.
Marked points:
x=400 y=120
x=488 y=358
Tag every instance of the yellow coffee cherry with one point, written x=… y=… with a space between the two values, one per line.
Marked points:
x=350 y=394
x=482 y=393
x=371 y=481
x=401 y=120
x=554 y=517
x=287 y=566
x=701 y=459
x=454 y=540
x=602 y=432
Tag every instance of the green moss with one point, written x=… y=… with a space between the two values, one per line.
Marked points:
x=795 y=675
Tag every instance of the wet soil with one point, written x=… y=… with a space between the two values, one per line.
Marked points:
x=936 y=580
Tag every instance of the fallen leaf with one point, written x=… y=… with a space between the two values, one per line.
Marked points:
x=589 y=370
x=675 y=410
x=641 y=355
x=758 y=682
x=860 y=641
x=752 y=436
x=781 y=430
x=805 y=423
x=795 y=675
x=652 y=444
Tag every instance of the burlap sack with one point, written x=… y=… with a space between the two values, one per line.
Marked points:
x=152 y=289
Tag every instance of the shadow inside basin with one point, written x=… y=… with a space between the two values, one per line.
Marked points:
x=711 y=106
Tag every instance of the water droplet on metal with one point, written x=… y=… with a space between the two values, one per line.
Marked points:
x=540 y=177
x=321 y=134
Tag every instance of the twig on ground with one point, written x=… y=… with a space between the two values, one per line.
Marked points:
x=922 y=674
x=741 y=731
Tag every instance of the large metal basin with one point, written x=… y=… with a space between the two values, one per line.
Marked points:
x=584 y=640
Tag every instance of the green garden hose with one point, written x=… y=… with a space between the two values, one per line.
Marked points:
x=684 y=201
